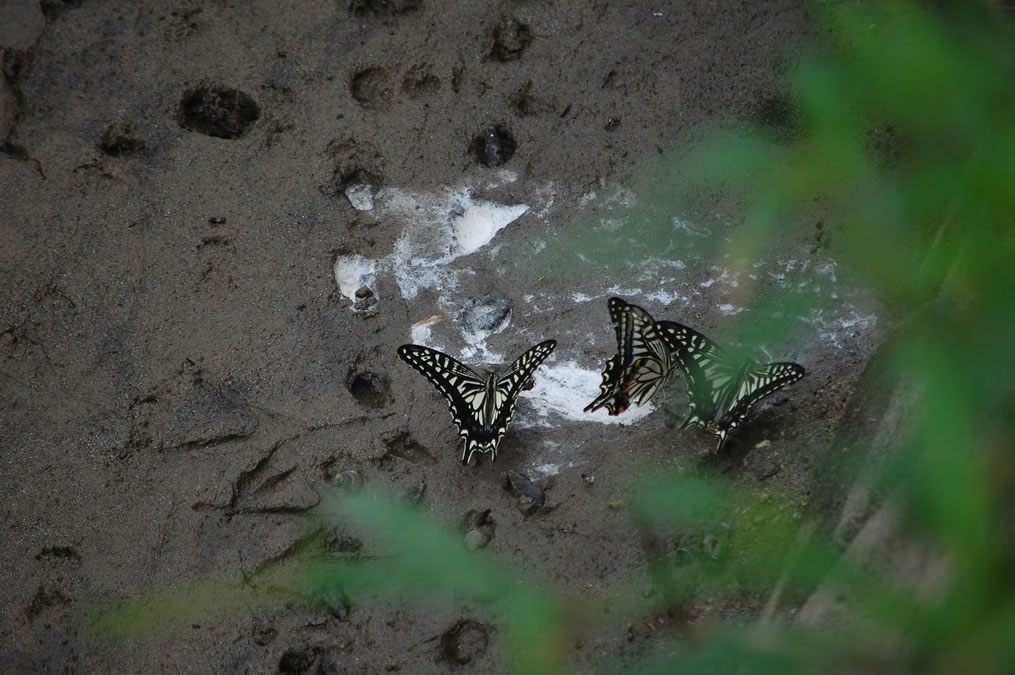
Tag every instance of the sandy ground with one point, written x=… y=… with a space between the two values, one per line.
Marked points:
x=182 y=378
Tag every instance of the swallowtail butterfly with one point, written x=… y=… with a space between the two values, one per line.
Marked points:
x=721 y=390
x=641 y=365
x=480 y=404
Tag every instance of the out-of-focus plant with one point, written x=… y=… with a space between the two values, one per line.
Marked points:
x=410 y=558
x=904 y=131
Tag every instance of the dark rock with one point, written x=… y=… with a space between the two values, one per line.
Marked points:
x=478 y=527
x=484 y=314
x=494 y=147
x=767 y=469
x=530 y=496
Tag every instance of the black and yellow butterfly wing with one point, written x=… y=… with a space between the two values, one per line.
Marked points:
x=721 y=390
x=641 y=365
x=480 y=406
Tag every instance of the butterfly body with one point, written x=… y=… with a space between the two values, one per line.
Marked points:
x=481 y=405
x=641 y=365
x=720 y=389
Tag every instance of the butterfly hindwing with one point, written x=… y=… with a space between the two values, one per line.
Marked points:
x=759 y=383
x=610 y=394
x=480 y=405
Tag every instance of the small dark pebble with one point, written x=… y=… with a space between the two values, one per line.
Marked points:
x=767 y=469
x=494 y=147
x=476 y=539
x=530 y=496
x=485 y=314
x=349 y=481
x=217 y=220
x=478 y=527
x=365 y=300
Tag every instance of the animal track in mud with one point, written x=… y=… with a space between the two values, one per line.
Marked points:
x=420 y=82
x=300 y=660
x=119 y=140
x=384 y=8
x=371 y=87
x=218 y=111
x=370 y=389
x=463 y=642
x=46 y=598
x=403 y=446
x=53 y=8
x=526 y=104
x=358 y=173
x=356 y=177
x=494 y=147
x=60 y=553
x=510 y=40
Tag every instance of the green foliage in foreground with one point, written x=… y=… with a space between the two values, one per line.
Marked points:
x=904 y=129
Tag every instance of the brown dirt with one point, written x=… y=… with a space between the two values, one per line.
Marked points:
x=180 y=377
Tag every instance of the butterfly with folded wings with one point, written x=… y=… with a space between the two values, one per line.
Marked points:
x=642 y=364
x=481 y=405
x=720 y=389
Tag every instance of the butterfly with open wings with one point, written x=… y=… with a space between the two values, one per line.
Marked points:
x=720 y=389
x=481 y=405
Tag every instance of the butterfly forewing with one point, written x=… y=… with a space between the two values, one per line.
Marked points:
x=481 y=406
x=610 y=395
